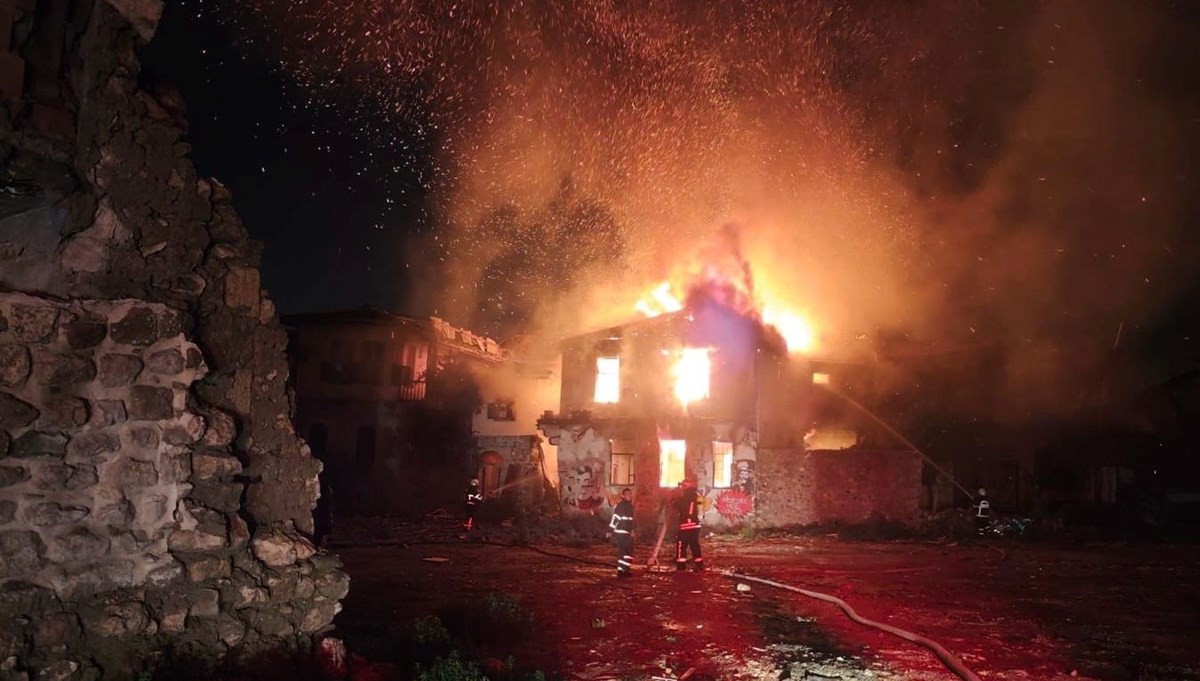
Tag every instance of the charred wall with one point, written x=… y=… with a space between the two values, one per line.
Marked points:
x=153 y=492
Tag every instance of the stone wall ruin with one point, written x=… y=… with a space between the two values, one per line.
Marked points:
x=153 y=493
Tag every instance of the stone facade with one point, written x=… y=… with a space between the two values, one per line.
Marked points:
x=797 y=487
x=153 y=493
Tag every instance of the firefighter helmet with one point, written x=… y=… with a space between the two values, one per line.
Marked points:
x=475 y=482
x=982 y=492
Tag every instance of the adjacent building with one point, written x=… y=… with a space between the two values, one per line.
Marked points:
x=390 y=404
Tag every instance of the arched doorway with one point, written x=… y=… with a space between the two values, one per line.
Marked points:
x=489 y=472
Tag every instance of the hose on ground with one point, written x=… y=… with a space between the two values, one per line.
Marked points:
x=952 y=663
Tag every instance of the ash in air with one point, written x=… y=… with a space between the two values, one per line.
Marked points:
x=1016 y=172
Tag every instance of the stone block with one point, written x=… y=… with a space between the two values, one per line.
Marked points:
x=55 y=631
x=82 y=477
x=238 y=596
x=20 y=553
x=8 y=511
x=212 y=464
x=168 y=573
x=118 y=515
x=194 y=359
x=205 y=603
x=138 y=327
x=59 y=670
x=51 y=477
x=109 y=413
x=119 y=370
x=49 y=513
x=333 y=585
x=231 y=631
x=318 y=614
x=58 y=369
x=149 y=403
x=133 y=474
x=221 y=428
x=144 y=437
x=114 y=620
x=195 y=541
x=202 y=568
x=242 y=290
x=33 y=323
x=83 y=334
x=276 y=547
x=15 y=412
x=173 y=621
x=65 y=413
x=222 y=496
x=14 y=365
x=36 y=444
x=268 y=623
x=5 y=441
x=168 y=362
x=90 y=444
x=185 y=432
x=12 y=475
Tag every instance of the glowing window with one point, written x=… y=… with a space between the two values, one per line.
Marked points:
x=722 y=464
x=608 y=380
x=820 y=378
x=671 y=458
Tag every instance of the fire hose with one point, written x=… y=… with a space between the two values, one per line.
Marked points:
x=946 y=657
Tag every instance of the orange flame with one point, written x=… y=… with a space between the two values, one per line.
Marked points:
x=691 y=372
x=796 y=327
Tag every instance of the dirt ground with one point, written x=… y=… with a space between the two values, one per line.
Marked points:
x=1008 y=609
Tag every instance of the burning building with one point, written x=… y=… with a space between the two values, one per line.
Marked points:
x=400 y=410
x=706 y=390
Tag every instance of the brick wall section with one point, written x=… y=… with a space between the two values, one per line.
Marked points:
x=849 y=486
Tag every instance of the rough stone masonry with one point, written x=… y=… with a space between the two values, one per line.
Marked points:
x=153 y=493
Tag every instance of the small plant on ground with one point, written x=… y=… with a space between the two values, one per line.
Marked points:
x=450 y=668
x=503 y=607
x=429 y=632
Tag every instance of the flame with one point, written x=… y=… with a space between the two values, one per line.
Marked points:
x=691 y=372
x=796 y=327
x=797 y=330
x=662 y=300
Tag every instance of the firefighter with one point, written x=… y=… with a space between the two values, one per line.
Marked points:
x=473 y=498
x=983 y=511
x=688 y=536
x=621 y=526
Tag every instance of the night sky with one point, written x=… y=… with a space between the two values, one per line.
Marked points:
x=333 y=208
x=1024 y=172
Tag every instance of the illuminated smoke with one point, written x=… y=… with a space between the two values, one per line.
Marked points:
x=951 y=168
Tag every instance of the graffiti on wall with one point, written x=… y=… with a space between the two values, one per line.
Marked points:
x=734 y=505
x=581 y=487
x=582 y=459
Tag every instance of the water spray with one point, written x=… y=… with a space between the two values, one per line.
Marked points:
x=854 y=403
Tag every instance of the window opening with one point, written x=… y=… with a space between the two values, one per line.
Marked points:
x=672 y=454
x=621 y=469
x=608 y=380
x=722 y=464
